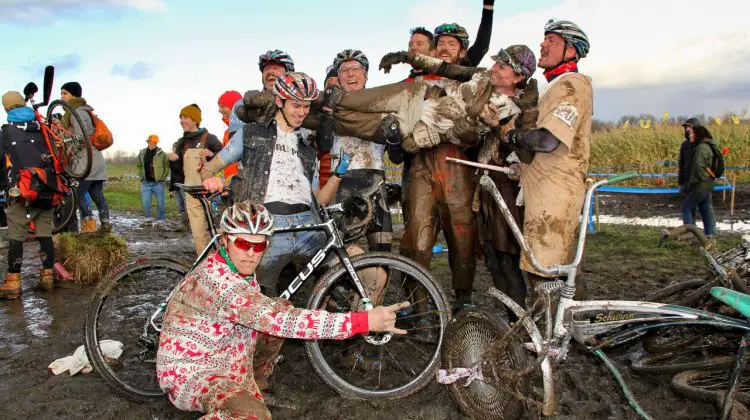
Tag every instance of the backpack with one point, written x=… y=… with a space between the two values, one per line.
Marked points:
x=717 y=163
x=102 y=137
x=33 y=178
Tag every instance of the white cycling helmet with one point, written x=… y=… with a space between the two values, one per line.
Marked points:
x=247 y=218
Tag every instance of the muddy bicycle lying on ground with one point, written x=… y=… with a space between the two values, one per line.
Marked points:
x=128 y=304
x=494 y=357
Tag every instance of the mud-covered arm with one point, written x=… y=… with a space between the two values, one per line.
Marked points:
x=441 y=68
x=481 y=44
x=273 y=317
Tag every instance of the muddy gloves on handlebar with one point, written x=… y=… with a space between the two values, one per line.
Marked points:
x=344 y=160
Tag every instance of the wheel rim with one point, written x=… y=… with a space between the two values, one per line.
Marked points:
x=397 y=367
x=122 y=314
x=470 y=343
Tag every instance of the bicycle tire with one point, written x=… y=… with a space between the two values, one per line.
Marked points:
x=710 y=385
x=113 y=282
x=337 y=274
x=468 y=337
x=662 y=295
x=669 y=339
x=77 y=146
x=64 y=211
x=690 y=358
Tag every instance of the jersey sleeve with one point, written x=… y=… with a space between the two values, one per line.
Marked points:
x=564 y=104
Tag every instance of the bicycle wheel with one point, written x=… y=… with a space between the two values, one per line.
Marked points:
x=64 y=211
x=711 y=385
x=120 y=309
x=669 y=339
x=690 y=358
x=478 y=336
x=73 y=149
x=359 y=367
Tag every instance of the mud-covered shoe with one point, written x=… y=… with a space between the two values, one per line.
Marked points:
x=46 y=280
x=148 y=222
x=11 y=288
x=106 y=226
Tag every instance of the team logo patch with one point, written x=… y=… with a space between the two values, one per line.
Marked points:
x=567 y=113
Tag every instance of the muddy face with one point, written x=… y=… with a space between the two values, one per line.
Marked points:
x=554 y=50
x=419 y=43
x=270 y=73
x=449 y=49
x=352 y=76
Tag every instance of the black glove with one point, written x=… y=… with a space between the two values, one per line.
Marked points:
x=325 y=131
x=390 y=59
x=489 y=2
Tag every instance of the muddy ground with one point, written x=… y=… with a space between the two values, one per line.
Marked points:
x=42 y=327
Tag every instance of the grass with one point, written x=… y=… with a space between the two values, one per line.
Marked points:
x=644 y=147
x=123 y=191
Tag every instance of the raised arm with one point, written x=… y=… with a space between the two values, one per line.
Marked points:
x=481 y=44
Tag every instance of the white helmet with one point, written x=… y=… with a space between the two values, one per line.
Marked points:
x=247 y=218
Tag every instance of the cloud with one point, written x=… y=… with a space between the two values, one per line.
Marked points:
x=42 y=11
x=139 y=70
x=63 y=64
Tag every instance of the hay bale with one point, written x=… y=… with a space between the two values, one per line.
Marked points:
x=90 y=257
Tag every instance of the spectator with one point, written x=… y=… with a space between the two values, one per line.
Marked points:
x=193 y=149
x=153 y=167
x=686 y=152
x=699 y=183
x=226 y=101
x=94 y=183
x=176 y=176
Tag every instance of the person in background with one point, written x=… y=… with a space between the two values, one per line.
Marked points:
x=153 y=167
x=699 y=183
x=686 y=153
x=226 y=102
x=93 y=184
x=176 y=176
x=194 y=148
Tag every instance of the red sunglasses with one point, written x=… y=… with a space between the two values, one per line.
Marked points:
x=245 y=245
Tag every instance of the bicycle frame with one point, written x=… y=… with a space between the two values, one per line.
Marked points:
x=334 y=243
x=596 y=324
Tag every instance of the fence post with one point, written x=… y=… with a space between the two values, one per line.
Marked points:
x=731 y=203
x=596 y=208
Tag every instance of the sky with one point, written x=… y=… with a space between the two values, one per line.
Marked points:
x=140 y=61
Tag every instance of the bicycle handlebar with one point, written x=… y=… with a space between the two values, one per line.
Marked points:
x=198 y=190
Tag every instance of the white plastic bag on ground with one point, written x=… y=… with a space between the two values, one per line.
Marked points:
x=79 y=362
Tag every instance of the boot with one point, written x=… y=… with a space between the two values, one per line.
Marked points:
x=185 y=221
x=106 y=226
x=88 y=226
x=46 y=280
x=11 y=289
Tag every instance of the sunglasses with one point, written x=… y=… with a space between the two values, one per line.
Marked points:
x=245 y=245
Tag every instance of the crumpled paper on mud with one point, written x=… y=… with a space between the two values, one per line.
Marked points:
x=449 y=376
x=78 y=362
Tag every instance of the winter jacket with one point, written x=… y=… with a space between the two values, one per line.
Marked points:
x=686 y=153
x=699 y=179
x=160 y=162
x=23 y=129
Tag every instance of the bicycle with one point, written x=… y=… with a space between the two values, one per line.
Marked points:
x=70 y=152
x=126 y=307
x=482 y=347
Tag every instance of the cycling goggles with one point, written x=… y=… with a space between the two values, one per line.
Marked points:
x=245 y=245
x=508 y=59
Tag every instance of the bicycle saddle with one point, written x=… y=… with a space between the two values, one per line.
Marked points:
x=737 y=300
